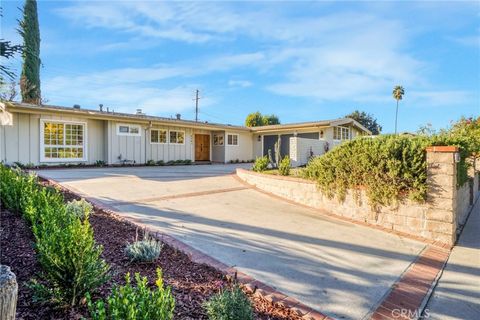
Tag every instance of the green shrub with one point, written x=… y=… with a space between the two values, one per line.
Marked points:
x=100 y=163
x=261 y=164
x=229 y=305
x=64 y=243
x=160 y=163
x=69 y=257
x=79 y=208
x=285 y=166
x=151 y=163
x=132 y=303
x=387 y=167
x=187 y=162
x=146 y=250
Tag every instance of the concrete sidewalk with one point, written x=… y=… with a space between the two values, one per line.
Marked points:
x=457 y=294
x=341 y=269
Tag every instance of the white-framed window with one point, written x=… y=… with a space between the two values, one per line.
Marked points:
x=158 y=136
x=177 y=137
x=232 y=139
x=128 y=129
x=62 y=141
x=218 y=139
x=341 y=133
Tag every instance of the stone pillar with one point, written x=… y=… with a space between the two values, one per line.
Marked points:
x=8 y=293
x=441 y=220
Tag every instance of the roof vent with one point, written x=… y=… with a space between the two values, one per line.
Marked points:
x=179 y=116
x=101 y=107
x=76 y=106
x=140 y=113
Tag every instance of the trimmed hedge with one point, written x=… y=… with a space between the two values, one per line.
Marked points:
x=64 y=242
x=389 y=167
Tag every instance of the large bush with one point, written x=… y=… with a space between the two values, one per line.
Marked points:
x=389 y=167
x=261 y=164
x=285 y=166
x=386 y=167
x=132 y=303
x=229 y=305
x=64 y=242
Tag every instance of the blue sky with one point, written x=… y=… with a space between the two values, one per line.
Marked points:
x=300 y=60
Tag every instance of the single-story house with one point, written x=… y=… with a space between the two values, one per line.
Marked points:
x=44 y=135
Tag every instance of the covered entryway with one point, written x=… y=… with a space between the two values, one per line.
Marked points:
x=202 y=147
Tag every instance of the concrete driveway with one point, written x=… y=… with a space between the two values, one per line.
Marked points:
x=341 y=269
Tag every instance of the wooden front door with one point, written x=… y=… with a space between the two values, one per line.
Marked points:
x=202 y=147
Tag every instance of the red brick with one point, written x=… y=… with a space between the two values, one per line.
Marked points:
x=314 y=315
x=288 y=302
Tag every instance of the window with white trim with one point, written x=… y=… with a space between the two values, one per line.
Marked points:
x=62 y=141
x=232 y=139
x=158 y=136
x=177 y=137
x=128 y=130
x=341 y=133
x=218 y=139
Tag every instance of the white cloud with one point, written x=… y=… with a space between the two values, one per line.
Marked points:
x=240 y=83
x=345 y=56
x=440 y=98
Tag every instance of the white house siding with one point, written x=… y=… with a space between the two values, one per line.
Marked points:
x=21 y=141
x=18 y=140
x=121 y=147
x=257 y=144
x=241 y=152
x=140 y=149
x=301 y=149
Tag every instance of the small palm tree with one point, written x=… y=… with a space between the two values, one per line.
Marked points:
x=398 y=93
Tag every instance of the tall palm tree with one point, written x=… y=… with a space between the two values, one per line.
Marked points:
x=398 y=93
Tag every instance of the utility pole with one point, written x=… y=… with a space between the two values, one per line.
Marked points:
x=196 y=105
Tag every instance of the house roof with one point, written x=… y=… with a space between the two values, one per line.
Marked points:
x=142 y=118
x=119 y=116
x=314 y=124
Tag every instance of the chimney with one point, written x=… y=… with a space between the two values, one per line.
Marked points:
x=76 y=106
x=101 y=107
x=179 y=116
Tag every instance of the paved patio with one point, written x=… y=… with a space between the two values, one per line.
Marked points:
x=341 y=269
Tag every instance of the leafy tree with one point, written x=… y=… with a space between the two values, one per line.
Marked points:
x=397 y=93
x=271 y=119
x=29 y=30
x=256 y=119
x=7 y=51
x=367 y=120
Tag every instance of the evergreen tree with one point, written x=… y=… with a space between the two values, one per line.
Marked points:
x=367 y=120
x=29 y=30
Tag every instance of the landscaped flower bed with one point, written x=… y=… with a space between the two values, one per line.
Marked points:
x=191 y=284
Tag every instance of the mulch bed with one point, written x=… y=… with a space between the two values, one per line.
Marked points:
x=192 y=283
